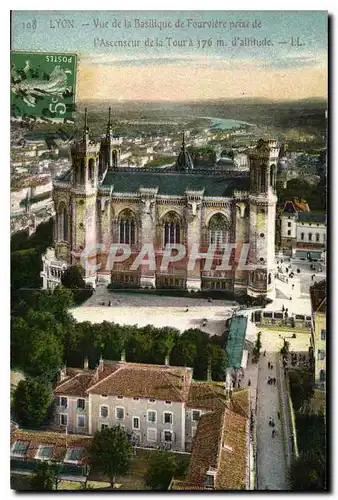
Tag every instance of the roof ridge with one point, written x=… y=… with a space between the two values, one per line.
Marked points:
x=181 y=396
x=220 y=440
x=241 y=407
x=68 y=380
x=104 y=379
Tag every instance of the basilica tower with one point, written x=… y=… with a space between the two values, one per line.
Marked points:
x=110 y=150
x=262 y=216
x=85 y=171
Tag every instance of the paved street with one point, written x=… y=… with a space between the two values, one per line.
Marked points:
x=271 y=465
x=273 y=455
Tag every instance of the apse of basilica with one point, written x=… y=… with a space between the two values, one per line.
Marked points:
x=99 y=204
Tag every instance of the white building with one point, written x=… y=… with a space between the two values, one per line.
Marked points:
x=302 y=231
x=160 y=405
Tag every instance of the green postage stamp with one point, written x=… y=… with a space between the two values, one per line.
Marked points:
x=43 y=85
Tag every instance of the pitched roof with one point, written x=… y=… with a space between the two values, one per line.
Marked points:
x=129 y=379
x=175 y=183
x=294 y=206
x=206 y=447
x=177 y=485
x=159 y=382
x=57 y=439
x=318 y=296
x=206 y=395
x=232 y=473
x=221 y=445
x=312 y=217
x=240 y=402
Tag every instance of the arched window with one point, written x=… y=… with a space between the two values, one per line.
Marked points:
x=302 y=236
x=310 y=236
x=273 y=175
x=114 y=158
x=263 y=178
x=82 y=171
x=218 y=230
x=317 y=237
x=62 y=222
x=171 y=228
x=91 y=170
x=127 y=227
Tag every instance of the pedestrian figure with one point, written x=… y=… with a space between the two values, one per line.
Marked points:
x=290 y=298
x=249 y=383
x=273 y=433
x=109 y=303
x=264 y=353
x=270 y=421
x=283 y=308
x=269 y=380
x=273 y=423
x=278 y=414
x=275 y=380
x=269 y=365
x=293 y=286
x=287 y=310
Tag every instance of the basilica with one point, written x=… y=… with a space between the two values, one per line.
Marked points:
x=100 y=204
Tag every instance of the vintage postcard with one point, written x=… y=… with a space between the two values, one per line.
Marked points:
x=168 y=250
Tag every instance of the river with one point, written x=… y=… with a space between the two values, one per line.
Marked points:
x=225 y=123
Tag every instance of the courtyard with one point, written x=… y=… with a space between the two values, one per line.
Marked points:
x=159 y=311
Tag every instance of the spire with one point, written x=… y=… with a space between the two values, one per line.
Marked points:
x=184 y=161
x=86 y=129
x=109 y=125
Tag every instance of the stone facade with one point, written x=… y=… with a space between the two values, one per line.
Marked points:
x=98 y=205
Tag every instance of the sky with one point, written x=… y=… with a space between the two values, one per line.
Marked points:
x=291 y=63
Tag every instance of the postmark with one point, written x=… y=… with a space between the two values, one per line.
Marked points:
x=43 y=86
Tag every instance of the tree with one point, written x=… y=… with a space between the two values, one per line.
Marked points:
x=37 y=342
x=308 y=471
x=57 y=302
x=257 y=347
x=183 y=353
x=31 y=401
x=44 y=478
x=161 y=469
x=110 y=453
x=44 y=355
x=218 y=359
x=72 y=278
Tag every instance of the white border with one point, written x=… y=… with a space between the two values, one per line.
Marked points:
x=330 y=5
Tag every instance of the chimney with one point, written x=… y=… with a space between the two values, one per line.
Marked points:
x=85 y=363
x=62 y=373
x=123 y=356
x=101 y=363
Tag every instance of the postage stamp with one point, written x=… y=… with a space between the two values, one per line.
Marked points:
x=43 y=85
